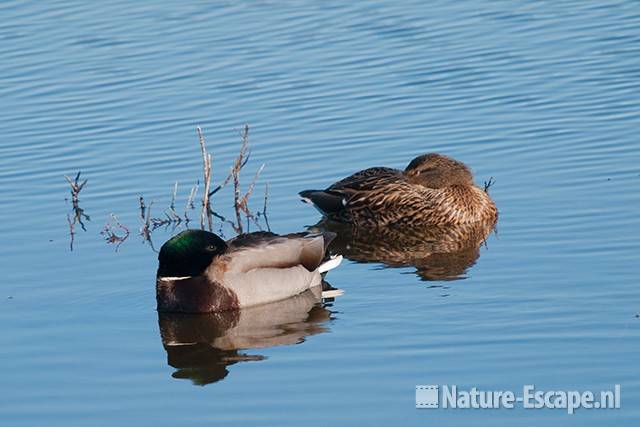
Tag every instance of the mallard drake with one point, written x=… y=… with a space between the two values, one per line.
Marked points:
x=199 y=272
x=433 y=189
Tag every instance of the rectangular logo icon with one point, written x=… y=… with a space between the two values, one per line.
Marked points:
x=426 y=396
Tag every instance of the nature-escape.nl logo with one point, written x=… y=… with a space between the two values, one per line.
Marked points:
x=429 y=396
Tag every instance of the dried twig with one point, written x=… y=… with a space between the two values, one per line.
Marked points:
x=488 y=184
x=143 y=208
x=264 y=207
x=79 y=216
x=145 y=216
x=239 y=163
x=241 y=201
x=78 y=212
x=171 y=216
x=244 y=201
x=76 y=187
x=173 y=197
x=110 y=231
x=223 y=221
x=145 y=230
x=221 y=185
x=189 y=205
x=151 y=223
x=72 y=232
x=206 y=166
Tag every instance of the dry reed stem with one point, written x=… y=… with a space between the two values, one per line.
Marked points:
x=206 y=166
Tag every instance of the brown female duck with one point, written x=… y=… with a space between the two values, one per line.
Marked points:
x=433 y=189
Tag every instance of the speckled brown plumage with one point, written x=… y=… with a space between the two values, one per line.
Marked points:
x=433 y=189
x=438 y=252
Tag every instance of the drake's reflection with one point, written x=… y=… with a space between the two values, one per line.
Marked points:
x=202 y=346
x=437 y=252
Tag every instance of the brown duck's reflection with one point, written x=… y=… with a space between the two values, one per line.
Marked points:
x=202 y=346
x=437 y=252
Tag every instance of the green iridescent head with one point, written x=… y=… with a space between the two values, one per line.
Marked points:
x=189 y=253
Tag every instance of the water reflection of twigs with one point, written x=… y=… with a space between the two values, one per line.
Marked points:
x=114 y=232
x=172 y=219
x=78 y=212
x=145 y=216
x=72 y=231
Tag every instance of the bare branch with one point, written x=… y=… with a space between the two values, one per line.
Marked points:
x=110 y=231
x=173 y=197
x=76 y=187
x=240 y=161
x=189 y=205
x=143 y=208
x=240 y=201
x=264 y=208
x=78 y=212
x=245 y=199
x=206 y=166
x=488 y=184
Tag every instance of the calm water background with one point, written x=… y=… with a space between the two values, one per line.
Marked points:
x=543 y=96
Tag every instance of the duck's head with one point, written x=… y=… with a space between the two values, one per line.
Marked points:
x=438 y=171
x=189 y=253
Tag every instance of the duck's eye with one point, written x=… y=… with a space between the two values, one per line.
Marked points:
x=211 y=248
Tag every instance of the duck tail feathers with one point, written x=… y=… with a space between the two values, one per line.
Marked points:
x=306 y=196
x=333 y=262
x=324 y=201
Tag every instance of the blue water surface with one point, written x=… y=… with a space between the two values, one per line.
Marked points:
x=542 y=96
